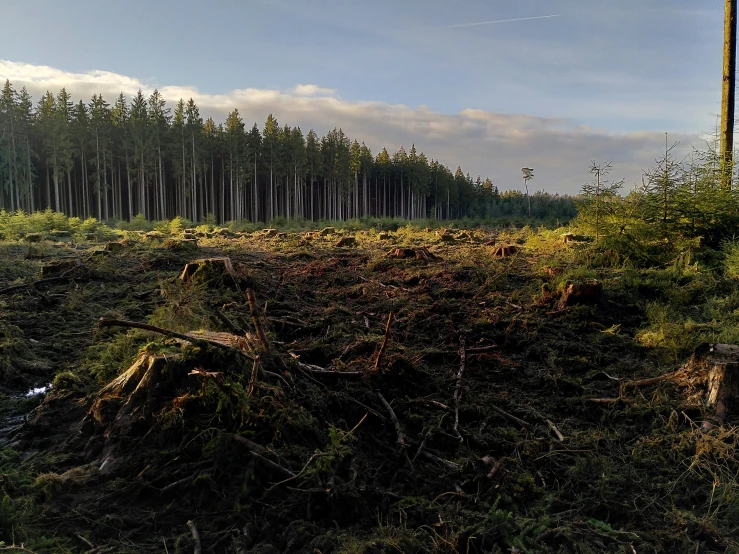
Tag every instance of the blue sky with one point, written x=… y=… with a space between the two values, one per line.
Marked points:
x=601 y=75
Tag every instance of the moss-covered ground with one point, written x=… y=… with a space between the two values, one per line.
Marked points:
x=475 y=432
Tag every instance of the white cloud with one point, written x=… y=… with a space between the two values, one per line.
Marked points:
x=482 y=142
x=313 y=90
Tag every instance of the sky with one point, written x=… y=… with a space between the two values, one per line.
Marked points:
x=491 y=85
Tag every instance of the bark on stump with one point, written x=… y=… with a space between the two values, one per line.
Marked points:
x=207 y=268
x=722 y=398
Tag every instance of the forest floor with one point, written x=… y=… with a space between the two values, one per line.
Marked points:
x=486 y=414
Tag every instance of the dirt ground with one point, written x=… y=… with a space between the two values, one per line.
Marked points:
x=487 y=414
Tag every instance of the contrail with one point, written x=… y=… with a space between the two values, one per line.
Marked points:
x=498 y=21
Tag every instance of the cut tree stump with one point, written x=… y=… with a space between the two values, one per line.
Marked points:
x=33 y=237
x=401 y=253
x=567 y=237
x=582 y=293
x=328 y=231
x=208 y=268
x=346 y=241
x=268 y=233
x=505 y=250
x=722 y=399
x=57 y=268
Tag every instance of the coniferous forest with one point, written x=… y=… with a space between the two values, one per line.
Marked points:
x=116 y=159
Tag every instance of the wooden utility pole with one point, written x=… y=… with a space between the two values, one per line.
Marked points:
x=727 y=92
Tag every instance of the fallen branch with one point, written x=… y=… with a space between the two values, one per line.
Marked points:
x=253 y=379
x=253 y=447
x=556 y=431
x=505 y=414
x=383 y=285
x=398 y=430
x=610 y=400
x=438 y=460
x=195 y=536
x=481 y=349
x=62 y=277
x=254 y=312
x=228 y=323
x=103 y=322
x=647 y=382
x=317 y=370
x=457 y=388
x=390 y=317
x=314 y=456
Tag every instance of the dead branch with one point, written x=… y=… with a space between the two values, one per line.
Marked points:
x=398 y=430
x=195 y=536
x=390 y=317
x=62 y=277
x=228 y=323
x=505 y=414
x=438 y=460
x=14 y=548
x=176 y=484
x=253 y=379
x=647 y=382
x=457 y=388
x=254 y=312
x=482 y=349
x=317 y=370
x=253 y=452
x=431 y=403
x=610 y=400
x=103 y=322
x=556 y=431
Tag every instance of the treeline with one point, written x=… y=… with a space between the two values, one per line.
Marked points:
x=114 y=161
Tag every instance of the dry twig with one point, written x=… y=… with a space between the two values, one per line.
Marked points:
x=457 y=388
x=254 y=312
x=384 y=342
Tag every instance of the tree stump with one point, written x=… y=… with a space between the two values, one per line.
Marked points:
x=154 y=235
x=57 y=268
x=33 y=237
x=401 y=253
x=346 y=241
x=114 y=246
x=505 y=250
x=582 y=293
x=268 y=233
x=207 y=269
x=59 y=234
x=328 y=231
x=722 y=398
x=567 y=237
